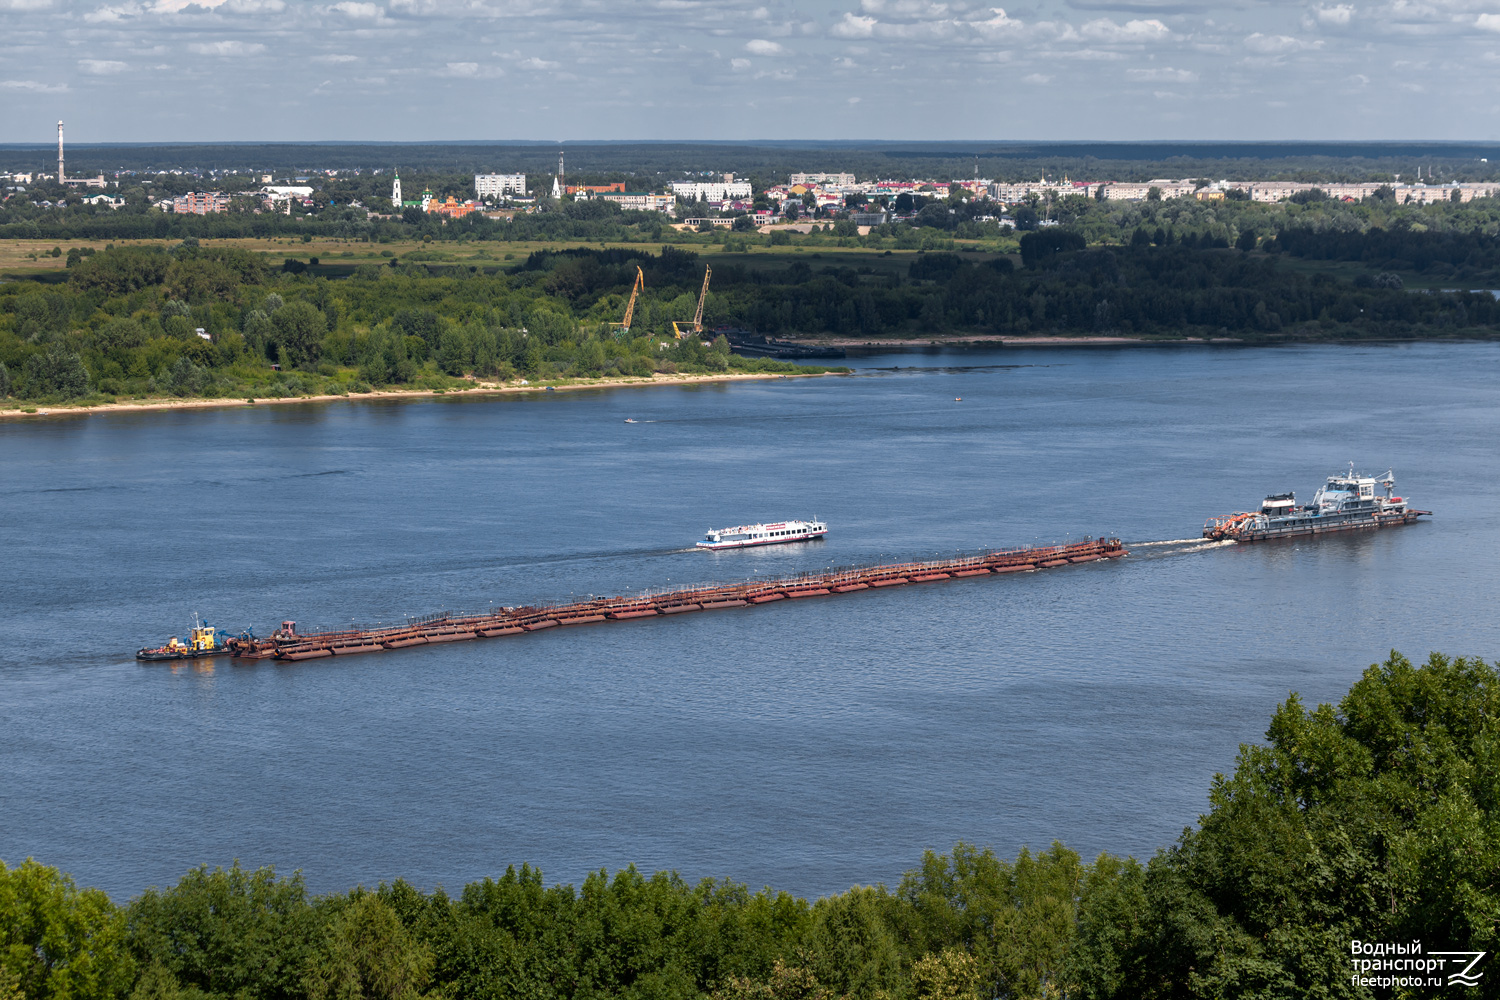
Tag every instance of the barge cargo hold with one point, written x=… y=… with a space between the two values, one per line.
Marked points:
x=1345 y=503
x=290 y=645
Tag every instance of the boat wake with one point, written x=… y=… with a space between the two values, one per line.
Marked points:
x=1176 y=547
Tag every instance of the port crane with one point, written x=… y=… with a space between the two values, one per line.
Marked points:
x=696 y=326
x=640 y=283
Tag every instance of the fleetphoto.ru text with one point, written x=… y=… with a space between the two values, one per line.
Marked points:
x=1384 y=963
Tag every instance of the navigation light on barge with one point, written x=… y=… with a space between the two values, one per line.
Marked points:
x=1344 y=503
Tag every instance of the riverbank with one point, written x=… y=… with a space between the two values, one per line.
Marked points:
x=1003 y=340
x=477 y=389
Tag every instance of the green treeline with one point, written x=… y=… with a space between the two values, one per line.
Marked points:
x=1063 y=288
x=126 y=321
x=1377 y=820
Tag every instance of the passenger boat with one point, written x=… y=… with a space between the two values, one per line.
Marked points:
x=204 y=640
x=763 y=534
x=1345 y=502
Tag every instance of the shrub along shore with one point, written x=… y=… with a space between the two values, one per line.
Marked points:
x=1371 y=821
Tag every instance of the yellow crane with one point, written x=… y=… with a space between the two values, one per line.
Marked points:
x=688 y=330
x=640 y=282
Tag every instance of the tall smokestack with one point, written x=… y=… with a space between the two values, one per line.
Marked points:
x=59 y=154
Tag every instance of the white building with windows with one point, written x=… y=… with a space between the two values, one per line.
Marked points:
x=499 y=185
x=836 y=180
x=726 y=190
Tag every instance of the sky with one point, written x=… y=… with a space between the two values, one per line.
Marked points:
x=422 y=70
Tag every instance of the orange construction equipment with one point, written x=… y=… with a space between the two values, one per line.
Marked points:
x=683 y=329
x=640 y=283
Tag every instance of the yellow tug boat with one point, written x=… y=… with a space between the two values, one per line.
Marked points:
x=204 y=640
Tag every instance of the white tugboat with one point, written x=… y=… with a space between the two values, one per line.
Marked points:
x=763 y=534
x=1344 y=503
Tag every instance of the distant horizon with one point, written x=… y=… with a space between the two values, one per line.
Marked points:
x=807 y=143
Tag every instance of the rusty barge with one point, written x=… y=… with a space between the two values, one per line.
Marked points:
x=287 y=644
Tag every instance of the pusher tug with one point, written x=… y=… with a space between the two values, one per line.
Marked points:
x=1344 y=503
x=204 y=640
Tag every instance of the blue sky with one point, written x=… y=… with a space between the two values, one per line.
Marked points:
x=406 y=70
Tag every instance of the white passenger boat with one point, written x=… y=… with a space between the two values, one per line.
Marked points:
x=763 y=534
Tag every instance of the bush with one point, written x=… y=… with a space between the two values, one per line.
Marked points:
x=184 y=378
x=1045 y=243
x=56 y=372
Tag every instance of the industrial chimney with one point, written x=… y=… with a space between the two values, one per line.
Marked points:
x=59 y=154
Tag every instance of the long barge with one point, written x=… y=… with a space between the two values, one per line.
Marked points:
x=287 y=644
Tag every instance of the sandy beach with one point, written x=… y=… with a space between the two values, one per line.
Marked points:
x=477 y=389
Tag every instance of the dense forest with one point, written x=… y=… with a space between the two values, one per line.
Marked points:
x=1353 y=830
x=124 y=320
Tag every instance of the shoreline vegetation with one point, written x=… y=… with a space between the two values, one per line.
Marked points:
x=1374 y=820
x=423 y=305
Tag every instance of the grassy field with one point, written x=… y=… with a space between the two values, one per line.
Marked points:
x=33 y=258
x=21 y=259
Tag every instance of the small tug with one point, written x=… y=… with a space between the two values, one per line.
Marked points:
x=1344 y=503
x=204 y=640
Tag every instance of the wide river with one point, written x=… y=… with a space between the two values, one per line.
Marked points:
x=806 y=745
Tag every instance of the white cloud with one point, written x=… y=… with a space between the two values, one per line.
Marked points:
x=535 y=63
x=1276 y=44
x=102 y=67
x=999 y=22
x=853 y=100
x=1488 y=22
x=336 y=58
x=1337 y=16
x=915 y=10
x=1036 y=78
x=255 y=6
x=1163 y=74
x=853 y=26
x=739 y=65
x=33 y=86
x=108 y=15
x=25 y=4
x=460 y=69
x=762 y=47
x=232 y=48
x=359 y=11
x=1106 y=30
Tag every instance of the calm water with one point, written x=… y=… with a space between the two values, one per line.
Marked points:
x=806 y=745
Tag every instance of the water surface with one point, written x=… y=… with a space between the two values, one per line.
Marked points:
x=807 y=745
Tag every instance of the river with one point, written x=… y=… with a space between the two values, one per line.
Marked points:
x=805 y=745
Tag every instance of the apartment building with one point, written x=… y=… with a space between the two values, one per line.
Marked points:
x=837 y=180
x=712 y=191
x=499 y=185
x=200 y=203
x=641 y=201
